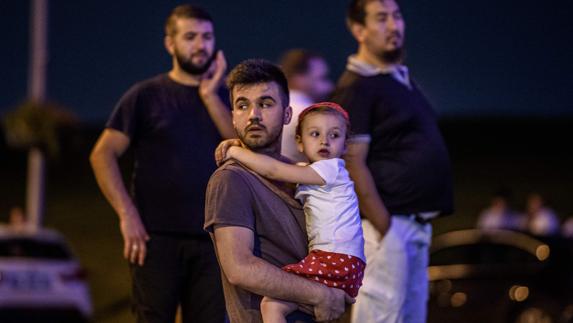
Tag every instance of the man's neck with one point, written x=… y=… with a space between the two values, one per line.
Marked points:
x=271 y=152
x=372 y=59
x=180 y=76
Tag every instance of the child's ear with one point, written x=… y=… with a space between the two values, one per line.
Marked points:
x=299 y=146
x=357 y=30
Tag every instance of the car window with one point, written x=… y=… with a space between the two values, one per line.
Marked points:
x=29 y=248
x=481 y=253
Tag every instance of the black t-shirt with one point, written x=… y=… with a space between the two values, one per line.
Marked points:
x=407 y=155
x=174 y=140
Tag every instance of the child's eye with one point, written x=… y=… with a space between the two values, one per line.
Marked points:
x=334 y=135
x=314 y=134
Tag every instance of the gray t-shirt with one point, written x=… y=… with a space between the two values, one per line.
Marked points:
x=238 y=197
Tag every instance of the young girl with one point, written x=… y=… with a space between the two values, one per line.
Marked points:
x=336 y=244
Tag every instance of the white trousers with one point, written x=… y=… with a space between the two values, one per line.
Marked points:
x=395 y=285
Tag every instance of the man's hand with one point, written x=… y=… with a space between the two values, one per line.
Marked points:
x=134 y=238
x=211 y=79
x=221 y=151
x=333 y=305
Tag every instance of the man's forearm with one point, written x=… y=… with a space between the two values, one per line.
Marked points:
x=260 y=277
x=370 y=203
x=220 y=115
x=110 y=181
x=234 y=247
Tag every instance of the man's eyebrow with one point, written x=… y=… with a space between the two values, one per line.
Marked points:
x=265 y=97
x=241 y=98
x=381 y=13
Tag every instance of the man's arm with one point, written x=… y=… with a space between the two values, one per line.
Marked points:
x=275 y=169
x=370 y=203
x=217 y=110
x=234 y=247
x=109 y=147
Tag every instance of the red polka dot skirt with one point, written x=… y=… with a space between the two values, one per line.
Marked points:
x=332 y=269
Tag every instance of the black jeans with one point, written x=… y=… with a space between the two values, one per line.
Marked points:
x=178 y=271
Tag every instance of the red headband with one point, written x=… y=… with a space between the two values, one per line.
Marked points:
x=331 y=105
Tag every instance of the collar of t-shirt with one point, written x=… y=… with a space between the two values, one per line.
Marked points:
x=398 y=72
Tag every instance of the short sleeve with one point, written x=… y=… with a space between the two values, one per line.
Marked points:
x=327 y=169
x=228 y=201
x=356 y=100
x=123 y=118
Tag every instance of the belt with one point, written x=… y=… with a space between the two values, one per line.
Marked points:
x=420 y=217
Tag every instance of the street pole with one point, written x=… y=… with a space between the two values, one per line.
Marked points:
x=36 y=93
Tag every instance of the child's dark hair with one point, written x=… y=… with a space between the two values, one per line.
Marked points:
x=324 y=107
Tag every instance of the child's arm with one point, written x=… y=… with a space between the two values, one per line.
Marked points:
x=274 y=169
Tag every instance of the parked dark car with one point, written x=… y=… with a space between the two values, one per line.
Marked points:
x=500 y=276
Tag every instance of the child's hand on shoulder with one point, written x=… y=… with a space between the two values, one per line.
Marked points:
x=221 y=152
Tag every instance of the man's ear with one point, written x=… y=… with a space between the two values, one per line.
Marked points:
x=169 y=44
x=287 y=115
x=357 y=31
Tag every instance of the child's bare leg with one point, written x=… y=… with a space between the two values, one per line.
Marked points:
x=275 y=311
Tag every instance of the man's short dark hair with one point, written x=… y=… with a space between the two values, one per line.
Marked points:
x=356 y=12
x=257 y=71
x=297 y=61
x=185 y=11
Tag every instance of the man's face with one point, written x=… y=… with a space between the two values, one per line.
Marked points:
x=383 y=30
x=259 y=115
x=193 y=45
x=318 y=84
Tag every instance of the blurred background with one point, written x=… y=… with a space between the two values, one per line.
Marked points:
x=499 y=76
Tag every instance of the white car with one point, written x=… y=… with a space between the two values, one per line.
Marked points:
x=40 y=280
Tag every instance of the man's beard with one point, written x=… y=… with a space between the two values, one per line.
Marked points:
x=262 y=143
x=187 y=65
x=393 y=56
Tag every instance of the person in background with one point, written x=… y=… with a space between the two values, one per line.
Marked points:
x=307 y=75
x=541 y=220
x=173 y=122
x=567 y=228
x=398 y=161
x=500 y=214
x=17 y=219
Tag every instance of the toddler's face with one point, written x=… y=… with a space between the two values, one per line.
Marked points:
x=323 y=136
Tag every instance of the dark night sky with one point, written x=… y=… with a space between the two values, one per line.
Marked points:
x=473 y=58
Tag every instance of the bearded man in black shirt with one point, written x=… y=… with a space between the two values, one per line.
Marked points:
x=173 y=122
x=398 y=161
